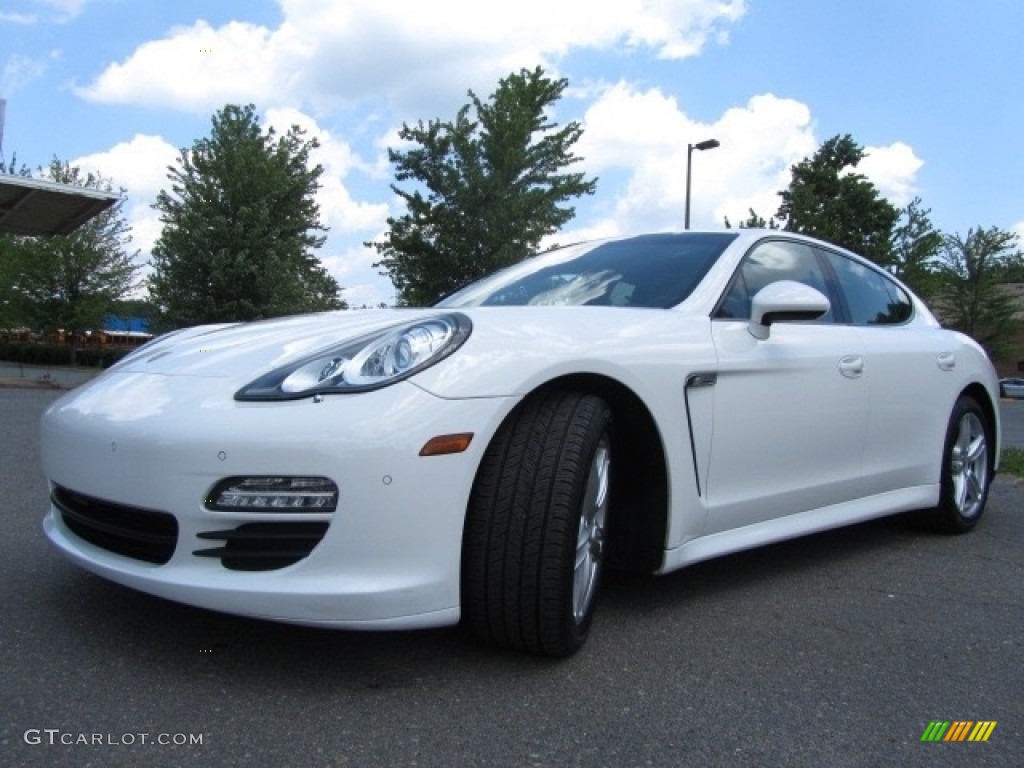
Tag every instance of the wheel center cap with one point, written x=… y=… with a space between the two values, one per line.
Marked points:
x=597 y=543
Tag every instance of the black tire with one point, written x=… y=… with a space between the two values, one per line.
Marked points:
x=967 y=468
x=541 y=494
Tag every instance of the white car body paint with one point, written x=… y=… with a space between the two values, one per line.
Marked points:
x=815 y=427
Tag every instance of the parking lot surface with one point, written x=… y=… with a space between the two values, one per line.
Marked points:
x=838 y=649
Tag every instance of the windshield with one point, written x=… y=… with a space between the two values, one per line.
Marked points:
x=657 y=271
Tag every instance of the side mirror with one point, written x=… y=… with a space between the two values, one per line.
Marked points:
x=785 y=301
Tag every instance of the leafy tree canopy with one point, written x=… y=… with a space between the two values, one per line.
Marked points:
x=827 y=199
x=241 y=223
x=13 y=169
x=914 y=249
x=68 y=282
x=10 y=314
x=489 y=186
x=754 y=221
x=972 y=297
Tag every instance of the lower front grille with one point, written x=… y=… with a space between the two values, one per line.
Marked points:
x=142 y=534
x=263 y=546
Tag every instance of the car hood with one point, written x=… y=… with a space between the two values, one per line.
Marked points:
x=509 y=352
x=252 y=349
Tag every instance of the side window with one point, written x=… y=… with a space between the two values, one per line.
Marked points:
x=872 y=298
x=767 y=263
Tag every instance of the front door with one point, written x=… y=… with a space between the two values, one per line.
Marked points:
x=790 y=412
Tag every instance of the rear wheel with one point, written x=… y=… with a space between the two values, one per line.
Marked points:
x=534 y=543
x=966 y=468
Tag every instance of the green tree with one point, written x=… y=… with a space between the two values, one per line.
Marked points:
x=489 y=188
x=10 y=255
x=754 y=221
x=914 y=247
x=241 y=223
x=13 y=169
x=10 y=265
x=973 y=298
x=70 y=282
x=827 y=199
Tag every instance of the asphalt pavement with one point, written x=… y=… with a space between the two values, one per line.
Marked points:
x=42 y=376
x=834 y=650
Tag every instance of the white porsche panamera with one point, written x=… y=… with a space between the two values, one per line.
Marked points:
x=645 y=403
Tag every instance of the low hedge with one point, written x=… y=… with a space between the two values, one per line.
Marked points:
x=59 y=354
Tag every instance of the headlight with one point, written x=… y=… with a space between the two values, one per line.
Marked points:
x=370 y=362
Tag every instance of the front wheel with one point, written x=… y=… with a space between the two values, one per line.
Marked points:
x=967 y=468
x=534 y=542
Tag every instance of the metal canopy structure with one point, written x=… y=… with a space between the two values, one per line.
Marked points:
x=37 y=207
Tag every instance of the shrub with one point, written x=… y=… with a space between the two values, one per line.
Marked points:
x=58 y=354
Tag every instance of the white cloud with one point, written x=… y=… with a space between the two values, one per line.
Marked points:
x=893 y=169
x=430 y=52
x=18 y=18
x=401 y=52
x=383 y=61
x=57 y=10
x=140 y=166
x=350 y=264
x=198 y=67
x=645 y=134
x=1019 y=229
x=396 y=60
x=338 y=209
x=65 y=9
x=21 y=70
x=361 y=282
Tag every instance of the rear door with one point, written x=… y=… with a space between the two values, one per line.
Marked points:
x=909 y=369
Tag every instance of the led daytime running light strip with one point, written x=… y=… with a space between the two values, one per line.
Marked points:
x=274 y=494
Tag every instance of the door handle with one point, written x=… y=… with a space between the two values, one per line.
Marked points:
x=851 y=366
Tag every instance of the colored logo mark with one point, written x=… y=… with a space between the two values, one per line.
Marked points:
x=958 y=730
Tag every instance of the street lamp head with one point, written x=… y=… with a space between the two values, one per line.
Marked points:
x=709 y=144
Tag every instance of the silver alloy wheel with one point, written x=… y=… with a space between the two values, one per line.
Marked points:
x=590 y=536
x=969 y=465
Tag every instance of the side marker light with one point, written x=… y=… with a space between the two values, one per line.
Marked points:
x=445 y=444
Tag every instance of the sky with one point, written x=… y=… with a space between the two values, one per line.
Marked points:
x=932 y=89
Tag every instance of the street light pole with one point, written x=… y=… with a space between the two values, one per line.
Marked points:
x=702 y=145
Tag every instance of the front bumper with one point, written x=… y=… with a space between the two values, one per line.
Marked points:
x=390 y=556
